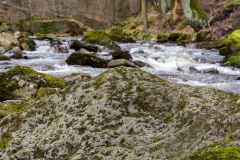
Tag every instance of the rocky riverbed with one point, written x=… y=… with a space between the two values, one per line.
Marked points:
x=188 y=65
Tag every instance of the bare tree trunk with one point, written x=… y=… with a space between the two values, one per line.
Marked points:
x=195 y=14
x=144 y=15
x=178 y=13
x=111 y=12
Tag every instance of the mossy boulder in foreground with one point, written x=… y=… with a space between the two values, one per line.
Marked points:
x=22 y=83
x=124 y=113
x=78 y=58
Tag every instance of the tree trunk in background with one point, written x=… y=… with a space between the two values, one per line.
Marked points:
x=165 y=6
x=194 y=13
x=111 y=12
x=144 y=15
x=178 y=14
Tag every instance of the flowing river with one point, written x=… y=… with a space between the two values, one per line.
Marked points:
x=196 y=67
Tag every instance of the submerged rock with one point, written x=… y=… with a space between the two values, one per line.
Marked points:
x=22 y=83
x=78 y=58
x=124 y=113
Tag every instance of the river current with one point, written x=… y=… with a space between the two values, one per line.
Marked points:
x=188 y=65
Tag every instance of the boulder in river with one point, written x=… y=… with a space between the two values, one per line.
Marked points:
x=100 y=38
x=15 y=53
x=233 y=59
x=121 y=54
x=22 y=83
x=7 y=41
x=4 y=58
x=141 y=64
x=233 y=43
x=124 y=113
x=26 y=43
x=78 y=58
x=120 y=62
x=118 y=35
x=77 y=45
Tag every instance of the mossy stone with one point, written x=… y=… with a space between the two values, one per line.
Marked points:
x=19 y=77
x=233 y=59
x=224 y=153
x=44 y=92
x=27 y=43
x=222 y=51
x=100 y=38
x=175 y=35
x=233 y=43
x=162 y=38
x=203 y=35
x=78 y=58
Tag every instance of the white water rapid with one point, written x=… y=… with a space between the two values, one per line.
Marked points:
x=171 y=62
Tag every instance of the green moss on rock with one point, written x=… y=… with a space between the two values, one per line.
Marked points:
x=27 y=43
x=100 y=38
x=233 y=59
x=4 y=139
x=233 y=43
x=224 y=153
x=78 y=58
x=162 y=38
x=18 y=78
x=175 y=35
x=44 y=92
